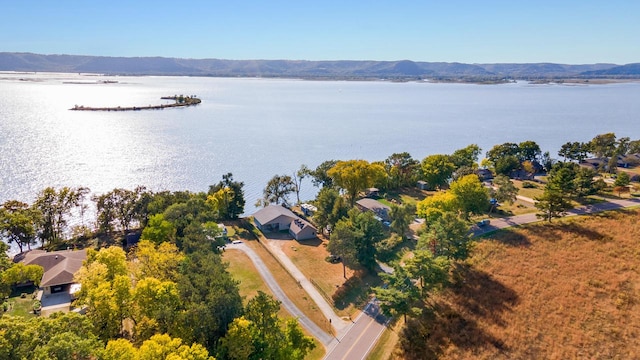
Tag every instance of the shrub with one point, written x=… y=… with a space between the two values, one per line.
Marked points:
x=529 y=185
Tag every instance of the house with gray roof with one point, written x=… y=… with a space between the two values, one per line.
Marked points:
x=379 y=209
x=274 y=218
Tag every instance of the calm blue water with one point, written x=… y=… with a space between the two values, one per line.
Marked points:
x=256 y=128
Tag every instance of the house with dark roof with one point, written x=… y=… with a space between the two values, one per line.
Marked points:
x=59 y=268
x=275 y=218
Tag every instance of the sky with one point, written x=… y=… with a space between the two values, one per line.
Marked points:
x=480 y=31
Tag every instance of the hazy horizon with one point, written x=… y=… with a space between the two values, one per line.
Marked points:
x=568 y=32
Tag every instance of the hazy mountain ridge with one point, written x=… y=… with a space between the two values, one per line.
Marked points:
x=402 y=69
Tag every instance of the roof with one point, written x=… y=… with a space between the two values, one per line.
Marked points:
x=372 y=204
x=298 y=224
x=272 y=212
x=59 y=266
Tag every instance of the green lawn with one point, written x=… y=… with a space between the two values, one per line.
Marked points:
x=20 y=306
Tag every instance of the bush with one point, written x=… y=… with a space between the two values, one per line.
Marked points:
x=529 y=185
x=5 y=306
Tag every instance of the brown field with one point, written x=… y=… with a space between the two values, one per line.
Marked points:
x=566 y=290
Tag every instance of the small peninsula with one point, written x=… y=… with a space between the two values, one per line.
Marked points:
x=180 y=101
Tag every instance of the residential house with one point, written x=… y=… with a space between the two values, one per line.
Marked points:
x=59 y=268
x=275 y=218
x=379 y=209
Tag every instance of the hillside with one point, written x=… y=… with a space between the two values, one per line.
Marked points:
x=568 y=290
x=342 y=69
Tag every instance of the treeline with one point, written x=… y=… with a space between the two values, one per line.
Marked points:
x=171 y=296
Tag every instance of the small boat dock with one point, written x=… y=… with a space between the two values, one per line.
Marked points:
x=180 y=101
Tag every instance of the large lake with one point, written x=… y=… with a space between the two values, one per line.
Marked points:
x=257 y=128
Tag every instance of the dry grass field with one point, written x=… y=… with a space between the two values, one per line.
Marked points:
x=566 y=290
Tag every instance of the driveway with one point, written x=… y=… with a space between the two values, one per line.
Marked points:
x=268 y=278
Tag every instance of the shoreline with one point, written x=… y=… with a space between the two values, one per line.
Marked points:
x=180 y=102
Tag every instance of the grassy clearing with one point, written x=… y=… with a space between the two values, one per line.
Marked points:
x=529 y=192
x=566 y=290
x=309 y=256
x=20 y=306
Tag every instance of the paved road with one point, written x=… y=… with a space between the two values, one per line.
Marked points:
x=361 y=337
x=268 y=278
x=529 y=218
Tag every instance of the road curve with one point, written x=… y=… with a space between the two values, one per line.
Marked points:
x=271 y=282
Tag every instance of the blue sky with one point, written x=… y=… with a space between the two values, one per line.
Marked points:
x=572 y=32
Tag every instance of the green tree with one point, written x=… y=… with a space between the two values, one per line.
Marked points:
x=159 y=230
x=320 y=176
x=622 y=179
x=55 y=207
x=261 y=334
x=156 y=307
x=471 y=196
x=278 y=190
x=585 y=183
x=20 y=273
x=297 y=178
x=553 y=203
x=431 y=272
x=331 y=208
x=603 y=145
x=355 y=237
x=505 y=165
x=401 y=217
x=399 y=295
x=466 y=157
x=210 y=299
x=437 y=170
x=529 y=151
x=401 y=169
x=448 y=236
x=506 y=192
x=235 y=203
x=18 y=223
x=163 y=346
x=354 y=176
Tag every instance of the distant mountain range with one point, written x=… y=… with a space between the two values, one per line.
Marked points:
x=341 y=69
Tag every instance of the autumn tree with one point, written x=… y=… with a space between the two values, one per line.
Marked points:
x=433 y=207
x=471 y=196
x=354 y=176
x=437 y=170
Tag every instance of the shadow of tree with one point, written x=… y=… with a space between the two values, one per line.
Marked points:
x=311 y=242
x=453 y=320
x=511 y=238
x=554 y=231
